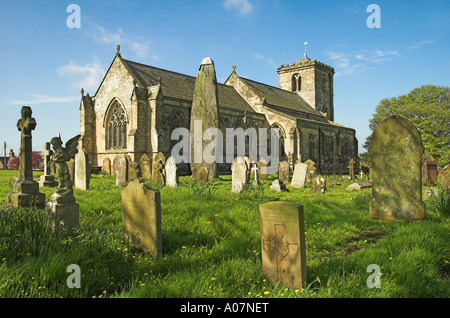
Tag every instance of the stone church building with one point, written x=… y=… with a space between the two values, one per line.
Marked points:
x=137 y=106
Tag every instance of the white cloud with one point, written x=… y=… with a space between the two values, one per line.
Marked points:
x=35 y=99
x=138 y=45
x=244 y=7
x=86 y=76
x=266 y=59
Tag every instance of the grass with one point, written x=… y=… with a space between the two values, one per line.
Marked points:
x=212 y=248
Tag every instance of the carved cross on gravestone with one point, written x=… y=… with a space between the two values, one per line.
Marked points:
x=26 y=124
x=279 y=247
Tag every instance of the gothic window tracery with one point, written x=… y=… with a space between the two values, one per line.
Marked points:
x=116 y=134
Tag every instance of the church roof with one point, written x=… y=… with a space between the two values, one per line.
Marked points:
x=181 y=86
x=281 y=98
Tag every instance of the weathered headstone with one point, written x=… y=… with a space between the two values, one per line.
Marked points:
x=71 y=169
x=106 y=166
x=238 y=174
x=359 y=185
x=333 y=182
x=255 y=174
x=121 y=168
x=299 y=176
x=171 y=173
x=351 y=169
x=204 y=115
x=249 y=167
x=311 y=170
x=82 y=171
x=158 y=169
x=262 y=166
x=283 y=247
x=133 y=170
x=278 y=185
x=203 y=175
x=145 y=166
x=318 y=184
x=431 y=172
x=47 y=179
x=395 y=151
x=283 y=171
x=25 y=189
x=141 y=216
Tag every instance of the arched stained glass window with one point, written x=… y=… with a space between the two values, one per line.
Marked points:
x=116 y=134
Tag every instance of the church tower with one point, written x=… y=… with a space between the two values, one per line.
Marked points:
x=312 y=80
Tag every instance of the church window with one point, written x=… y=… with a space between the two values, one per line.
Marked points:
x=116 y=134
x=296 y=82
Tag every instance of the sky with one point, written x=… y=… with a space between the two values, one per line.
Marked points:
x=48 y=52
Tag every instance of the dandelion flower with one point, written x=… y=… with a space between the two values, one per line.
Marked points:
x=318 y=279
x=213 y=278
x=266 y=293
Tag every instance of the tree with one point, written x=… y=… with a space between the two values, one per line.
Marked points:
x=428 y=108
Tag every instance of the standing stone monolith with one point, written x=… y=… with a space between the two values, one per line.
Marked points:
x=238 y=174
x=82 y=174
x=47 y=179
x=141 y=216
x=171 y=173
x=25 y=189
x=283 y=247
x=299 y=176
x=395 y=151
x=205 y=115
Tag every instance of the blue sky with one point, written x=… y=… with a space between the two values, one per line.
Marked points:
x=45 y=63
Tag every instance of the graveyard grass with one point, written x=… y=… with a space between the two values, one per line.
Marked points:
x=211 y=246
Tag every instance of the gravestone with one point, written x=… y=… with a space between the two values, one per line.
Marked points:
x=121 y=169
x=71 y=169
x=203 y=175
x=318 y=184
x=238 y=174
x=141 y=216
x=106 y=166
x=351 y=169
x=262 y=169
x=171 y=173
x=25 y=189
x=283 y=247
x=283 y=171
x=158 y=169
x=204 y=115
x=145 y=166
x=333 y=182
x=82 y=171
x=249 y=167
x=255 y=174
x=431 y=173
x=311 y=171
x=395 y=151
x=299 y=176
x=359 y=185
x=133 y=170
x=47 y=179
x=279 y=186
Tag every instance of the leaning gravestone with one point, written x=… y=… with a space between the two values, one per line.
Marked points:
x=299 y=176
x=239 y=174
x=395 y=151
x=25 y=189
x=171 y=173
x=141 y=216
x=283 y=247
x=121 y=169
x=283 y=171
x=82 y=171
x=262 y=172
x=106 y=166
x=145 y=167
x=47 y=179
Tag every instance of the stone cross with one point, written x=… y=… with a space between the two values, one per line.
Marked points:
x=26 y=124
x=47 y=153
x=361 y=173
x=255 y=170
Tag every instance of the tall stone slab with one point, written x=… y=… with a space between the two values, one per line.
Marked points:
x=395 y=151
x=106 y=168
x=238 y=174
x=171 y=173
x=283 y=171
x=82 y=175
x=299 y=176
x=145 y=166
x=121 y=169
x=283 y=247
x=204 y=115
x=25 y=189
x=158 y=169
x=141 y=216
